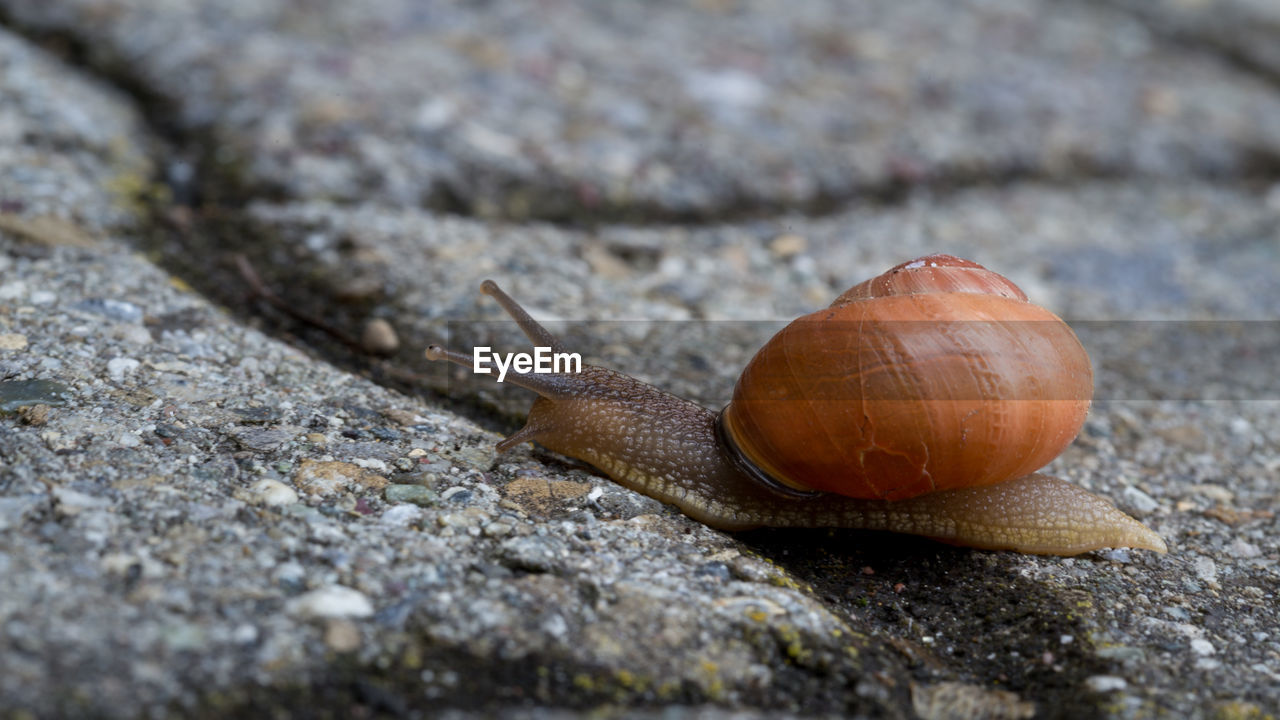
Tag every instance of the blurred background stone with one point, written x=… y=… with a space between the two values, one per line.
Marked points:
x=666 y=184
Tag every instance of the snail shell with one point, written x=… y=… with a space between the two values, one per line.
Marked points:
x=938 y=374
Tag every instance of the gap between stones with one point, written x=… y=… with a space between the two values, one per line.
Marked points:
x=1209 y=44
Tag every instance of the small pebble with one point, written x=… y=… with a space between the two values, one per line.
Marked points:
x=1106 y=683
x=402 y=514
x=1206 y=569
x=73 y=502
x=113 y=309
x=341 y=635
x=1118 y=555
x=183 y=636
x=57 y=442
x=13 y=341
x=451 y=492
x=555 y=626
x=370 y=464
x=273 y=493
x=1241 y=549
x=122 y=564
x=34 y=415
x=416 y=494
x=497 y=529
x=1123 y=653
x=1202 y=647
x=379 y=338
x=788 y=244
x=1216 y=493
x=332 y=601
x=118 y=367
x=1140 y=502
x=405 y=418
x=134 y=334
x=15 y=394
x=244 y=634
x=384 y=434
x=328 y=477
x=290 y=575
x=469 y=518
x=264 y=439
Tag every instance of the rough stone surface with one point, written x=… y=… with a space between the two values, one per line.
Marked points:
x=571 y=108
x=1242 y=31
x=70 y=152
x=210 y=508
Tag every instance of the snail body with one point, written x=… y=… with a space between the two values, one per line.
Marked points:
x=920 y=401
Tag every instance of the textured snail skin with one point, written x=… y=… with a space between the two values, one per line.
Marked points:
x=680 y=453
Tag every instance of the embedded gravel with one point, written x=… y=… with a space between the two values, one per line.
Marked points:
x=210 y=508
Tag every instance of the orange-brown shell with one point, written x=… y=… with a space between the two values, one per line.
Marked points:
x=938 y=374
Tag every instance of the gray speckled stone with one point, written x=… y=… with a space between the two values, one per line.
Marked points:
x=1244 y=31
x=186 y=583
x=159 y=557
x=68 y=150
x=569 y=108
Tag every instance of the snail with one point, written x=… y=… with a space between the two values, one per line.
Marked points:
x=921 y=401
